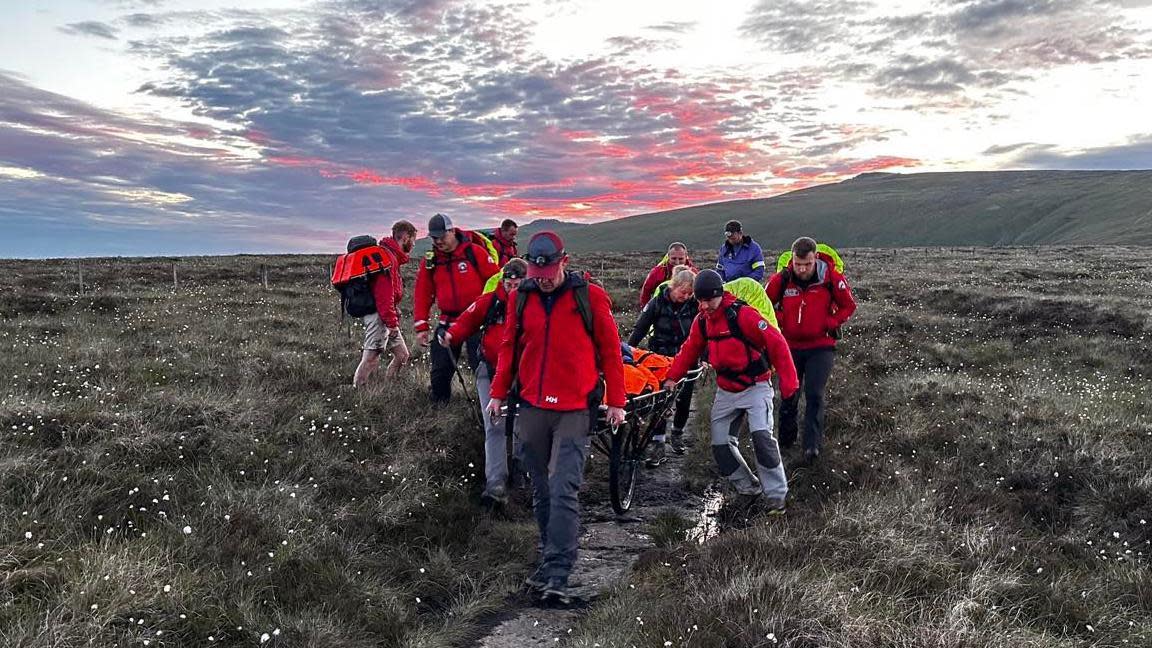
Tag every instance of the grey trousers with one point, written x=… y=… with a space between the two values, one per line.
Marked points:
x=495 y=437
x=555 y=449
x=728 y=412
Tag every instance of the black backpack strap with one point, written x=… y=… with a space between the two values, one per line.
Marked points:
x=495 y=312
x=526 y=286
x=584 y=307
x=785 y=279
x=757 y=363
x=470 y=254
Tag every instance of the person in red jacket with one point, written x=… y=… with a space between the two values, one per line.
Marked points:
x=487 y=314
x=555 y=351
x=452 y=276
x=677 y=255
x=743 y=349
x=504 y=240
x=812 y=302
x=382 y=328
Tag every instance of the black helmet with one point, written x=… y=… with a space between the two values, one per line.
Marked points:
x=708 y=284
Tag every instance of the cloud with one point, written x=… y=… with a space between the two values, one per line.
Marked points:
x=1008 y=148
x=978 y=49
x=1136 y=153
x=91 y=28
x=939 y=76
x=674 y=27
x=340 y=116
x=800 y=26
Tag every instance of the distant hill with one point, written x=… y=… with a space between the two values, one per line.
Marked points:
x=923 y=209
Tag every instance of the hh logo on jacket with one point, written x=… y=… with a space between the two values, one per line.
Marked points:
x=551 y=399
x=792 y=292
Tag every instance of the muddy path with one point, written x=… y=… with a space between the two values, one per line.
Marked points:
x=609 y=546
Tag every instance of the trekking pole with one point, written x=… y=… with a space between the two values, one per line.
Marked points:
x=460 y=377
x=513 y=462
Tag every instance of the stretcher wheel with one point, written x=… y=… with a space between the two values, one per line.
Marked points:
x=623 y=467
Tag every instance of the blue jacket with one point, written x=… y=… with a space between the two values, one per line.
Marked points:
x=745 y=260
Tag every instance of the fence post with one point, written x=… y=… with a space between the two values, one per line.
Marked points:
x=175 y=280
x=80 y=274
x=264 y=275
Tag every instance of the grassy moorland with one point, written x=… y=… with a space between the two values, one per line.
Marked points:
x=989 y=479
x=189 y=467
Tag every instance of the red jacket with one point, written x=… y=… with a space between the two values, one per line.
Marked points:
x=557 y=358
x=389 y=294
x=505 y=248
x=808 y=315
x=472 y=319
x=657 y=276
x=728 y=354
x=453 y=282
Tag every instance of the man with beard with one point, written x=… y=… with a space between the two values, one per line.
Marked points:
x=382 y=328
x=451 y=278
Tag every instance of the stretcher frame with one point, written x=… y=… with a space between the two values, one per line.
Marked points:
x=626 y=445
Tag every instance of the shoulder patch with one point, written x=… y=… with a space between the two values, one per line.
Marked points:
x=842 y=285
x=762 y=325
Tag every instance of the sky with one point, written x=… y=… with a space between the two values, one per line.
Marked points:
x=138 y=127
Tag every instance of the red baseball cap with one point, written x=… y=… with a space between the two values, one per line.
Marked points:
x=545 y=252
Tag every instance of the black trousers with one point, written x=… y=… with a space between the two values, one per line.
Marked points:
x=683 y=405
x=443 y=368
x=813 y=367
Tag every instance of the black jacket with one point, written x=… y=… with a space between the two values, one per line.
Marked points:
x=669 y=322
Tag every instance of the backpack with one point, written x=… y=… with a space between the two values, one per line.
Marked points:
x=474 y=237
x=824 y=252
x=352 y=271
x=757 y=364
x=495 y=314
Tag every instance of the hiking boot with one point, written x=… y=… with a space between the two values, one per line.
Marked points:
x=811 y=455
x=676 y=441
x=535 y=582
x=656 y=456
x=556 y=592
x=495 y=498
x=771 y=506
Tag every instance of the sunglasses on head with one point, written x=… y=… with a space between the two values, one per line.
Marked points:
x=727 y=233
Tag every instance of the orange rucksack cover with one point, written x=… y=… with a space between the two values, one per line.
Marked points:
x=365 y=261
x=658 y=365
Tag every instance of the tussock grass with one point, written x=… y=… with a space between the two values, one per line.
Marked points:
x=987 y=480
x=986 y=484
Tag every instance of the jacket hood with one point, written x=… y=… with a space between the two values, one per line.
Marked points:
x=393 y=246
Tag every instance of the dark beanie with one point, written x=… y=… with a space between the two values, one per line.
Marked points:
x=708 y=284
